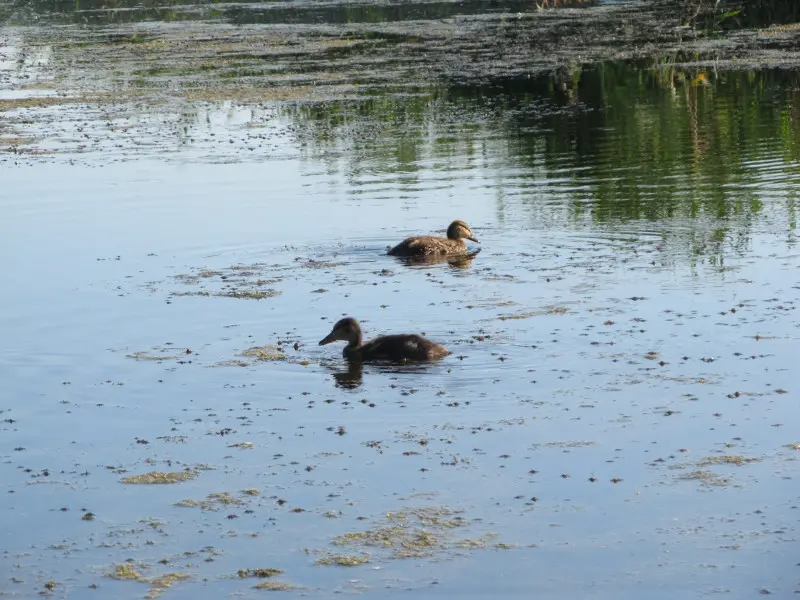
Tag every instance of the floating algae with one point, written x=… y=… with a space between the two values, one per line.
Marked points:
x=727 y=459
x=276 y=586
x=159 y=477
x=128 y=572
x=263 y=573
x=250 y=294
x=343 y=560
x=409 y=533
x=214 y=501
x=264 y=353
x=705 y=477
x=549 y=310
x=125 y=572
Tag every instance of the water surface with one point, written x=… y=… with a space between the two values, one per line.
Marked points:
x=615 y=421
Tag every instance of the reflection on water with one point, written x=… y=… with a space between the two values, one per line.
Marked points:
x=93 y=12
x=695 y=155
x=352 y=377
x=461 y=261
x=697 y=158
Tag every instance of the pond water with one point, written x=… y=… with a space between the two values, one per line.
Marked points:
x=189 y=207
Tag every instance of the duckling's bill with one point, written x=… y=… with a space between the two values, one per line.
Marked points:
x=331 y=337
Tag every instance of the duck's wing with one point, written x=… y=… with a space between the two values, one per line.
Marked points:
x=402 y=347
x=384 y=347
x=420 y=244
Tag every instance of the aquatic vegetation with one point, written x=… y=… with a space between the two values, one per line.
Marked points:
x=159 y=353
x=267 y=352
x=727 y=460
x=158 y=584
x=565 y=444
x=214 y=501
x=158 y=477
x=550 y=310
x=343 y=560
x=249 y=294
x=162 y=582
x=706 y=478
x=276 y=586
x=262 y=573
x=241 y=281
x=125 y=572
x=319 y=264
x=409 y=533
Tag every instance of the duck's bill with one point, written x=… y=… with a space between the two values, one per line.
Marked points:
x=327 y=339
x=473 y=238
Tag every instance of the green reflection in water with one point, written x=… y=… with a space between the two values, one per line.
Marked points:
x=647 y=141
x=700 y=155
x=118 y=12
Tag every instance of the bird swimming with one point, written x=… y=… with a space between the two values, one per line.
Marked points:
x=395 y=348
x=428 y=245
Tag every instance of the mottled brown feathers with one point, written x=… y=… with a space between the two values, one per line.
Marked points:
x=427 y=245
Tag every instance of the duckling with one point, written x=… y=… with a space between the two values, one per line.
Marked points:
x=394 y=348
x=430 y=245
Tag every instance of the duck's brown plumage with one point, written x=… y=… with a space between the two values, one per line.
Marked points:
x=394 y=348
x=426 y=245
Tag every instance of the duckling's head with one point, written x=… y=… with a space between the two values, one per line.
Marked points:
x=459 y=229
x=347 y=330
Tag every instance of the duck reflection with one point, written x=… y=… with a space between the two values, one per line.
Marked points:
x=352 y=377
x=459 y=261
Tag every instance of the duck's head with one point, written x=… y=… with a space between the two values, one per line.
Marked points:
x=346 y=330
x=459 y=229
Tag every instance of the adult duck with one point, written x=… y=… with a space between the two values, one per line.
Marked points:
x=431 y=245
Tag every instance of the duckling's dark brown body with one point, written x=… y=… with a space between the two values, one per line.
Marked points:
x=429 y=245
x=394 y=348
